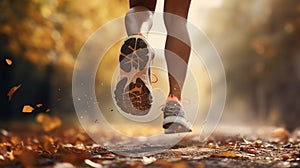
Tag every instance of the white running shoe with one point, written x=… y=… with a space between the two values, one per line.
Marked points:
x=174 y=119
x=133 y=91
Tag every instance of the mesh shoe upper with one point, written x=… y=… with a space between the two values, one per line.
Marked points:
x=174 y=119
x=173 y=108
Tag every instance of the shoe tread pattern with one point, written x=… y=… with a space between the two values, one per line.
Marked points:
x=133 y=97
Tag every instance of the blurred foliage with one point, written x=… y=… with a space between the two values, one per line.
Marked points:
x=259 y=42
x=43 y=38
x=52 y=31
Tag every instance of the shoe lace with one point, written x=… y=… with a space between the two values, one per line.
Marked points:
x=155 y=77
x=185 y=102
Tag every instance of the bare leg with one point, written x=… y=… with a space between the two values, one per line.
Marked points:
x=177 y=52
x=139 y=22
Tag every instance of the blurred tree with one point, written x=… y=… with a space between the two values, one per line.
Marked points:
x=277 y=72
x=261 y=56
x=44 y=37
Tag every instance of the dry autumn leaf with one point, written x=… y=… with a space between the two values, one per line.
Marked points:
x=92 y=164
x=180 y=164
x=8 y=61
x=148 y=160
x=228 y=154
x=281 y=133
x=12 y=91
x=39 y=105
x=49 y=144
x=48 y=123
x=10 y=155
x=27 y=109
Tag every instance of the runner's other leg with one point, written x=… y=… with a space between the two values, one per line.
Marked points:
x=177 y=52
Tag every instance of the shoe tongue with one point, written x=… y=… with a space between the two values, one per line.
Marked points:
x=173 y=103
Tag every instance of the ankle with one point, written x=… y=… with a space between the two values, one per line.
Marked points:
x=174 y=97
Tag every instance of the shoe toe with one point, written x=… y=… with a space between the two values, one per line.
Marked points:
x=176 y=124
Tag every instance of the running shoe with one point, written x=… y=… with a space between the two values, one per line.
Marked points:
x=174 y=119
x=133 y=91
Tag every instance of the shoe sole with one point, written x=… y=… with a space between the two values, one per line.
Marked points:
x=132 y=94
x=174 y=124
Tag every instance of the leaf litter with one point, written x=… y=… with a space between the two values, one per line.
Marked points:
x=72 y=147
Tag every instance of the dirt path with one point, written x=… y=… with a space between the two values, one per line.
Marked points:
x=73 y=148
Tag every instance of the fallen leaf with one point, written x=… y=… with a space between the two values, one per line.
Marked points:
x=12 y=91
x=213 y=145
x=246 y=141
x=49 y=145
x=285 y=157
x=148 y=160
x=181 y=164
x=281 y=134
x=10 y=155
x=109 y=156
x=92 y=164
x=68 y=146
x=63 y=165
x=257 y=143
x=8 y=61
x=228 y=154
x=248 y=150
x=48 y=123
x=4 y=132
x=80 y=146
x=39 y=105
x=15 y=140
x=27 y=109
